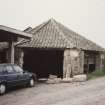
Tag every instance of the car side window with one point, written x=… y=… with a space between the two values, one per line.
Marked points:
x=17 y=69
x=1 y=69
x=9 y=69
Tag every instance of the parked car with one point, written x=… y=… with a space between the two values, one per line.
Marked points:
x=13 y=75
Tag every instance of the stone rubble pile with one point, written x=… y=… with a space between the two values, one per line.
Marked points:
x=77 y=78
x=53 y=79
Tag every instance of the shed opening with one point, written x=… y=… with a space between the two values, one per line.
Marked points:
x=3 y=56
x=44 y=62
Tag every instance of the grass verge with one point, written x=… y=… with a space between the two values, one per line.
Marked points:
x=96 y=74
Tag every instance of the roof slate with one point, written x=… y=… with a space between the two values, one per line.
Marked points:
x=52 y=34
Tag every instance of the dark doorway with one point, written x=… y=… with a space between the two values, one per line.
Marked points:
x=44 y=62
x=89 y=61
x=92 y=67
x=88 y=68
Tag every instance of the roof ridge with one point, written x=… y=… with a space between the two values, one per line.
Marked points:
x=61 y=32
x=40 y=26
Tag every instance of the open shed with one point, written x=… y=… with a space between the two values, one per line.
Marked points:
x=55 y=49
x=8 y=40
x=44 y=62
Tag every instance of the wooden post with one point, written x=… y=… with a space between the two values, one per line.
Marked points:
x=12 y=53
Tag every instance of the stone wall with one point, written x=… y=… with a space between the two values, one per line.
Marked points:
x=81 y=62
x=100 y=61
x=66 y=64
x=95 y=58
x=19 y=54
x=73 y=65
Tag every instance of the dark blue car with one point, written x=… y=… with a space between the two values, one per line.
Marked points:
x=13 y=75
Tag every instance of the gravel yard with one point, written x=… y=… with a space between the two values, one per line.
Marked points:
x=87 y=93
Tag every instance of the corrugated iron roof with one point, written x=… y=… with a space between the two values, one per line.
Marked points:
x=15 y=32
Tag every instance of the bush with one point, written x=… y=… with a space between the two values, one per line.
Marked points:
x=96 y=74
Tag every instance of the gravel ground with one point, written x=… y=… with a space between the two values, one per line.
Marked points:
x=87 y=93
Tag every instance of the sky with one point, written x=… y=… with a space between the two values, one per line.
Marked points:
x=86 y=17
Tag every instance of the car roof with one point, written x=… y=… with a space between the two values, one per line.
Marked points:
x=6 y=64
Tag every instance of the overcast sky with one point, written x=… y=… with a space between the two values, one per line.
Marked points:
x=87 y=17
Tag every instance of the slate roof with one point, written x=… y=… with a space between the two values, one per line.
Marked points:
x=52 y=34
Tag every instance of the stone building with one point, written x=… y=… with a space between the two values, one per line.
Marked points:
x=57 y=50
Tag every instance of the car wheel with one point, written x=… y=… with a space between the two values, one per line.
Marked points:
x=32 y=82
x=2 y=89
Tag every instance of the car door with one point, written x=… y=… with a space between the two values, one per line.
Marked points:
x=11 y=76
x=22 y=77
